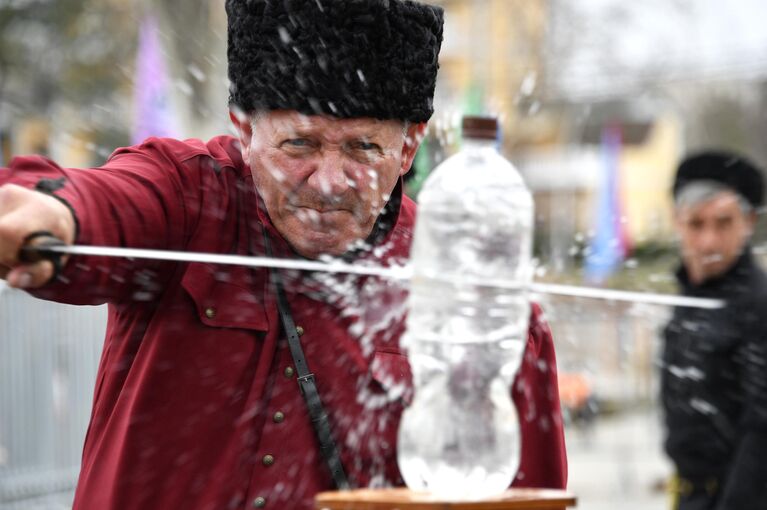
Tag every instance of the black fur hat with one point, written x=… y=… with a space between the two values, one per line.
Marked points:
x=346 y=58
x=727 y=168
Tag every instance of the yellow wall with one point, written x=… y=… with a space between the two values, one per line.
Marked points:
x=646 y=173
x=68 y=149
x=32 y=136
x=493 y=45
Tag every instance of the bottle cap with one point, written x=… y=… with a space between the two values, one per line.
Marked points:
x=483 y=128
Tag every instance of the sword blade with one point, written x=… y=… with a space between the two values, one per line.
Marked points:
x=397 y=272
x=394 y=272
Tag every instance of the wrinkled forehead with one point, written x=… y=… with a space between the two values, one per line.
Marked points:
x=296 y=122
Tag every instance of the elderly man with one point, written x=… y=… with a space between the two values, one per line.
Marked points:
x=714 y=380
x=197 y=404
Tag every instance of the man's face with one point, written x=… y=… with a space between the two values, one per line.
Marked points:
x=324 y=180
x=713 y=234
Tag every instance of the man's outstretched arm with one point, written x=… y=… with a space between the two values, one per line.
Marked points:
x=148 y=196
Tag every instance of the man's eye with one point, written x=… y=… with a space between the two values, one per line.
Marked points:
x=366 y=146
x=297 y=143
x=723 y=222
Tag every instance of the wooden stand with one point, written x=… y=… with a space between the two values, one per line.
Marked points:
x=404 y=499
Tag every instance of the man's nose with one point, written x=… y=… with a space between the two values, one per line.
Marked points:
x=708 y=241
x=329 y=178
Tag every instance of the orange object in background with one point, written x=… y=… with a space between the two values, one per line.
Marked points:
x=574 y=390
x=577 y=398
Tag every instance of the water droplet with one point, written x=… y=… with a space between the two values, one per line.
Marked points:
x=284 y=35
x=197 y=73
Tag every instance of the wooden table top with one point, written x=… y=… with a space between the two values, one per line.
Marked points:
x=404 y=499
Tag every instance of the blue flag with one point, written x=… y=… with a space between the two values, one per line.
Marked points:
x=608 y=247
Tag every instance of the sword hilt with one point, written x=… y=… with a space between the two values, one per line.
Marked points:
x=38 y=246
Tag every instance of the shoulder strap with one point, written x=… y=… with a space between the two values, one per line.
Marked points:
x=306 y=383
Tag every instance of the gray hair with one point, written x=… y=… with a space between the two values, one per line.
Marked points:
x=697 y=192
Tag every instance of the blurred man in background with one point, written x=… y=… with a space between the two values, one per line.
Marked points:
x=714 y=379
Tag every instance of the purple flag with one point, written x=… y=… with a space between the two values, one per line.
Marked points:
x=153 y=111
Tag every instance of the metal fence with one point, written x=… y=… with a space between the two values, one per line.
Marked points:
x=48 y=359
x=615 y=345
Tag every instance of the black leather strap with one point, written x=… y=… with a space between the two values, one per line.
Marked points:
x=49 y=187
x=306 y=383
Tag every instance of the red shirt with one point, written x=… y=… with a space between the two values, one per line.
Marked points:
x=196 y=404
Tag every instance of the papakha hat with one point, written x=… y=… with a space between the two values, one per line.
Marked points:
x=730 y=169
x=346 y=58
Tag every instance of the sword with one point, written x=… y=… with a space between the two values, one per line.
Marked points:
x=48 y=247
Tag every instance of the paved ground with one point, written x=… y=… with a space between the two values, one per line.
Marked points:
x=618 y=463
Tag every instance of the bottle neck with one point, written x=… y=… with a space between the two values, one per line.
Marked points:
x=479 y=144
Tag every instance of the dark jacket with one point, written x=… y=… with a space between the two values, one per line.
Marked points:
x=714 y=385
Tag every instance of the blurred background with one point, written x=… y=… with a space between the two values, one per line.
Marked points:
x=598 y=100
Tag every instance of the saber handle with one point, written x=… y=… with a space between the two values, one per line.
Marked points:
x=38 y=246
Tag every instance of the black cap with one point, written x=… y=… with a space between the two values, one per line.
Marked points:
x=346 y=58
x=732 y=170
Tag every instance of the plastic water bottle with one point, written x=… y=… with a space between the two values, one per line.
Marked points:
x=467 y=322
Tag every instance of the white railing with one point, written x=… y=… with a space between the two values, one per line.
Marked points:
x=49 y=354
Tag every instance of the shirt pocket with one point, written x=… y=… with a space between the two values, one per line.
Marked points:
x=226 y=297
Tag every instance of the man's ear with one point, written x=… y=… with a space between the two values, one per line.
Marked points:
x=244 y=128
x=413 y=137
